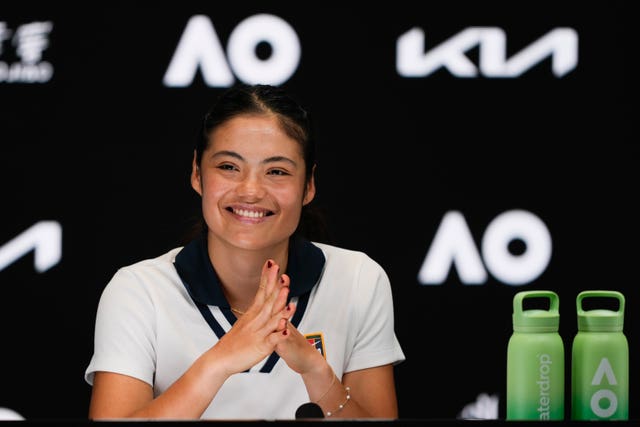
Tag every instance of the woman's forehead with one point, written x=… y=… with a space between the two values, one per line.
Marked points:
x=261 y=135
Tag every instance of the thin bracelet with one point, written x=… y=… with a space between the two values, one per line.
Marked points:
x=342 y=405
x=333 y=381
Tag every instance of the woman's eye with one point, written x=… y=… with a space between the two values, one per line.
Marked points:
x=278 y=172
x=227 y=167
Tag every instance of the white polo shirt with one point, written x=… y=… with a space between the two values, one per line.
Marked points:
x=156 y=317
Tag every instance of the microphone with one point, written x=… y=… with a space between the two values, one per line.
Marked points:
x=309 y=410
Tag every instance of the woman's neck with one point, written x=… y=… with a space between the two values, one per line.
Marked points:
x=239 y=269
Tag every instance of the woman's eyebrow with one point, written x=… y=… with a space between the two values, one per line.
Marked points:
x=227 y=153
x=236 y=155
x=279 y=159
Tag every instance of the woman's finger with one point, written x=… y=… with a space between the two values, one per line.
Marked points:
x=279 y=321
x=280 y=298
x=272 y=272
x=281 y=333
x=268 y=278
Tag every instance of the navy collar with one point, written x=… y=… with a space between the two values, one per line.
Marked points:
x=304 y=267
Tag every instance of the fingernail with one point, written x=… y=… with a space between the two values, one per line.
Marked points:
x=285 y=332
x=288 y=307
x=281 y=279
x=269 y=264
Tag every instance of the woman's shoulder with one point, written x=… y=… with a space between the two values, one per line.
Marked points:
x=343 y=255
x=143 y=282
x=149 y=270
x=344 y=266
x=161 y=261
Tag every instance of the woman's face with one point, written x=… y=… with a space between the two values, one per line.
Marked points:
x=252 y=182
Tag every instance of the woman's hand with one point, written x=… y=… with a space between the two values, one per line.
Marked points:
x=296 y=351
x=256 y=334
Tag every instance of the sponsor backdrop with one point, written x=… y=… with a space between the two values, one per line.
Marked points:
x=475 y=150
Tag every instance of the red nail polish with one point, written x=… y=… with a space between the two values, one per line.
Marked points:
x=285 y=332
x=269 y=264
x=281 y=279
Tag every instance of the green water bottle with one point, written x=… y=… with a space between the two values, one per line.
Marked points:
x=535 y=360
x=600 y=361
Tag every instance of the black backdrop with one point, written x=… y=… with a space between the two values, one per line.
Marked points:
x=93 y=141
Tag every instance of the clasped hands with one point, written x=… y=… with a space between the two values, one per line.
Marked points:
x=265 y=328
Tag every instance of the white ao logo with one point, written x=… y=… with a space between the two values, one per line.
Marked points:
x=453 y=245
x=604 y=395
x=200 y=47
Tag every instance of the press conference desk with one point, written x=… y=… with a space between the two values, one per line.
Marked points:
x=314 y=422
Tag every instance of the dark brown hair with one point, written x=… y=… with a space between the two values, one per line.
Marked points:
x=244 y=99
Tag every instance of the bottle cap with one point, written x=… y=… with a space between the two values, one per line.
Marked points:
x=536 y=320
x=600 y=320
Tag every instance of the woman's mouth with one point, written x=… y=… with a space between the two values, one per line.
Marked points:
x=250 y=213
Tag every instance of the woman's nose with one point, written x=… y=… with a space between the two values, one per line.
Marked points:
x=250 y=186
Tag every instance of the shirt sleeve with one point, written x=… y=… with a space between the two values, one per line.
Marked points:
x=376 y=341
x=124 y=336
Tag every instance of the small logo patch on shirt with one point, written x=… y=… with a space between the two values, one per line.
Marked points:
x=317 y=340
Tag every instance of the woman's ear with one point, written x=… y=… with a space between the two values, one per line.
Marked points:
x=310 y=191
x=196 y=181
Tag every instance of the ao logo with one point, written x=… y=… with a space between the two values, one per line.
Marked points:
x=199 y=46
x=604 y=395
x=453 y=244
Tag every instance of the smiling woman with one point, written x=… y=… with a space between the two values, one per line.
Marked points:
x=252 y=318
x=252 y=182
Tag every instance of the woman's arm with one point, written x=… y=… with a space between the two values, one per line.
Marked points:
x=120 y=396
x=371 y=393
x=253 y=337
